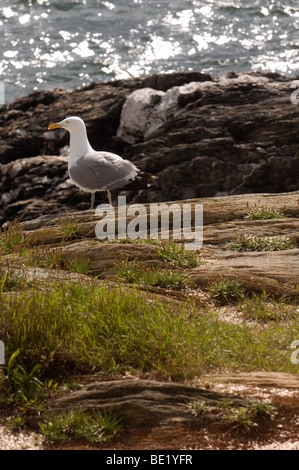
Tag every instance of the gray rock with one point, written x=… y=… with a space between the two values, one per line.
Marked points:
x=203 y=137
x=144 y=402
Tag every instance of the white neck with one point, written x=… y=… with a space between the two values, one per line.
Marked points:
x=79 y=144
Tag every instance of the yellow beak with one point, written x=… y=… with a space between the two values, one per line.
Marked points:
x=55 y=125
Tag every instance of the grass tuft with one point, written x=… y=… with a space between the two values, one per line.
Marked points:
x=254 y=243
x=89 y=327
x=54 y=258
x=69 y=227
x=226 y=290
x=72 y=327
x=175 y=254
x=264 y=213
x=11 y=239
x=11 y=280
x=265 y=308
x=77 y=424
x=138 y=273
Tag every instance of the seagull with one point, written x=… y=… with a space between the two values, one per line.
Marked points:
x=93 y=170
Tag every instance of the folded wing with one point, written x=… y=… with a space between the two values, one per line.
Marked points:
x=98 y=171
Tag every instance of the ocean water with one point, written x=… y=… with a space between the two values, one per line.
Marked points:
x=70 y=43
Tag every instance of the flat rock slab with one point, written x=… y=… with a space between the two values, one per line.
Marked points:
x=140 y=402
x=103 y=256
x=224 y=219
x=276 y=272
x=277 y=380
x=150 y=403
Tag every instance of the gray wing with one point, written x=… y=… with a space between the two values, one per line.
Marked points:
x=97 y=171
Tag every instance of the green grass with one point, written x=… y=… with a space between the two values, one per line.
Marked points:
x=54 y=258
x=264 y=213
x=84 y=328
x=77 y=266
x=175 y=254
x=254 y=243
x=69 y=227
x=129 y=272
x=77 y=424
x=169 y=251
x=226 y=290
x=44 y=257
x=165 y=278
x=11 y=239
x=139 y=273
x=265 y=308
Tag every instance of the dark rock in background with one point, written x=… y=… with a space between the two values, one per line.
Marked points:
x=224 y=135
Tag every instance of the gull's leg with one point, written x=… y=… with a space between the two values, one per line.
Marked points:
x=109 y=197
x=92 y=200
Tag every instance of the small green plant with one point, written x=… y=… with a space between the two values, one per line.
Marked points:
x=264 y=213
x=261 y=408
x=198 y=407
x=248 y=415
x=226 y=290
x=129 y=272
x=240 y=417
x=22 y=386
x=170 y=251
x=254 y=243
x=77 y=424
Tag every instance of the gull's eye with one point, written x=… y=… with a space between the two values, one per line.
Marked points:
x=67 y=122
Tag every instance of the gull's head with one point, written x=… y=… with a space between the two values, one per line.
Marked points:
x=73 y=123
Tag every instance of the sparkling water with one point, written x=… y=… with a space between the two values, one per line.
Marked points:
x=70 y=43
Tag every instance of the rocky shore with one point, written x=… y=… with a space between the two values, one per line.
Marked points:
x=229 y=143
x=202 y=136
